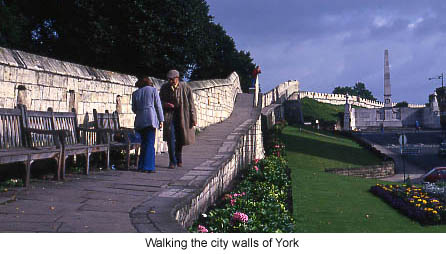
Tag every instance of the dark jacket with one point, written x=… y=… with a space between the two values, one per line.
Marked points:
x=184 y=112
x=146 y=104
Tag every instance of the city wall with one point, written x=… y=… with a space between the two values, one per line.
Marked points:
x=41 y=82
x=339 y=99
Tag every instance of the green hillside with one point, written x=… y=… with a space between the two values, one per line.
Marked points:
x=327 y=114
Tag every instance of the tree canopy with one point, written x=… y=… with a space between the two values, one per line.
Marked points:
x=358 y=90
x=402 y=104
x=135 y=37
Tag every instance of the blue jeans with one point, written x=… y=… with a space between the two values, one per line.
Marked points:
x=147 y=156
x=175 y=149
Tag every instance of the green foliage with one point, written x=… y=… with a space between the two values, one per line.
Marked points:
x=402 y=104
x=12 y=25
x=262 y=196
x=136 y=37
x=358 y=90
x=13 y=182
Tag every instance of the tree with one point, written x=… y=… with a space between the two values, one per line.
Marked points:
x=402 y=104
x=358 y=90
x=136 y=37
x=219 y=58
x=12 y=25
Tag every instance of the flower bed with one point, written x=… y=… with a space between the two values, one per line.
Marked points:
x=413 y=202
x=259 y=203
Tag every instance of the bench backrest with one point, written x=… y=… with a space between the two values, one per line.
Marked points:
x=106 y=120
x=11 y=132
x=40 y=120
x=67 y=121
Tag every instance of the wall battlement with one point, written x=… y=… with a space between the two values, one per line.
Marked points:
x=339 y=99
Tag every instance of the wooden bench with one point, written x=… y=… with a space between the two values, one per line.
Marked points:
x=118 y=137
x=78 y=140
x=20 y=142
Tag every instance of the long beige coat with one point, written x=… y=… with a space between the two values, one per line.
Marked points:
x=187 y=115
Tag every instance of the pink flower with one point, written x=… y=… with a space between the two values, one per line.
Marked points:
x=233 y=202
x=202 y=229
x=256 y=161
x=238 y=216
x=277 y=146
x=256 y=168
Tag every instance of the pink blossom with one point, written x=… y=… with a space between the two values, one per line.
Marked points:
x=277 y=146
x=202 y=229
x=256 y=168
x=233 y=202
x=256 y=161
x=238 y=216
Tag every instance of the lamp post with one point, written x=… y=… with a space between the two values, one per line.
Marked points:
x=439 y=77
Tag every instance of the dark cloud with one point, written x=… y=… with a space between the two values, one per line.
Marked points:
x=325 y=44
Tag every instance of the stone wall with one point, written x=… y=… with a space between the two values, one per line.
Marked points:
x=374 y=171
x=339 y=99
x=280 y=93
x=236 y=154
x=41 y=82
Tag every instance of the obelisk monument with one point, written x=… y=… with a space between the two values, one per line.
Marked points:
x=388 y=112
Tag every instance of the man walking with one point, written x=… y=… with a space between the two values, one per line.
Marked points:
x=179 y=117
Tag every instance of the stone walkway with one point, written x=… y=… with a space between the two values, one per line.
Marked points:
x=119 y=201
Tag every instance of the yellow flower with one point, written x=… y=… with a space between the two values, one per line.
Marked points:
x=417 y=205
x=435 y=212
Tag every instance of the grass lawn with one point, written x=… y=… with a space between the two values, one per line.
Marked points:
x=324 y=202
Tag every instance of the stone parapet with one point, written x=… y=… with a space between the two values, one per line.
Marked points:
x=62 y=85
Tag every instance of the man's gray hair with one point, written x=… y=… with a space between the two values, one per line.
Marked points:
x=173 y=74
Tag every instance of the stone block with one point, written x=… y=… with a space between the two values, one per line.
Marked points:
x=7 y=90
x=42 y=79
x=10 y=74
x=9 y=103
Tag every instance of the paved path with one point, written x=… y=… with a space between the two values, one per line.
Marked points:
x=117 y=201
x=414 y=166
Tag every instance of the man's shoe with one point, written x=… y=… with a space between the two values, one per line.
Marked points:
x=171 y=166
x=180 y=164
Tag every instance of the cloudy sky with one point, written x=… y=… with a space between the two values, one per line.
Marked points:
x=325 y=44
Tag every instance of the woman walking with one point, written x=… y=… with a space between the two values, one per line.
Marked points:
x=146 y=104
